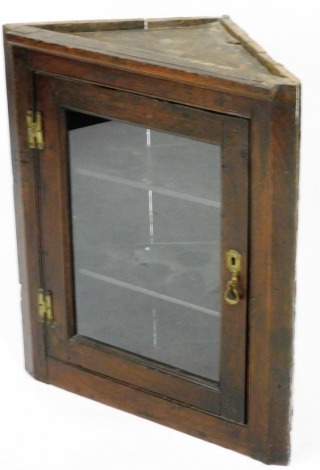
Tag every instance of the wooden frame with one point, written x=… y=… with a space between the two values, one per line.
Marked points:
x=55 y=95
x=272 y=109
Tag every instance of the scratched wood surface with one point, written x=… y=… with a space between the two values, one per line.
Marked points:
x=207 y=47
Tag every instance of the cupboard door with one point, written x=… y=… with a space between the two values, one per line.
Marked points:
x=141 y=202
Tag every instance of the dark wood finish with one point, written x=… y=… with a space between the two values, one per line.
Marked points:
x=271 y=106
x=178 y=92
x=235 y=208
x=284 y=147
x=149 y=406
x=26 y=197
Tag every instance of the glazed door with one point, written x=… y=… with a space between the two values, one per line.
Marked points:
x=141 y=202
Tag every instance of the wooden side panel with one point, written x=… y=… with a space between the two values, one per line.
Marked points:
x=25 y=167
x=275 y=142
x=285 y=149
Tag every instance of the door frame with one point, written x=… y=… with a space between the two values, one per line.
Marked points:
x=53 y=96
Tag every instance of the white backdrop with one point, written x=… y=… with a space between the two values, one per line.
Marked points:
x=45 y=428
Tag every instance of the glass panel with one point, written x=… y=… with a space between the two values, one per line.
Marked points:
x=146 y=240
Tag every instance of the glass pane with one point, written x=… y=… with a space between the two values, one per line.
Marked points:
x=146 y=241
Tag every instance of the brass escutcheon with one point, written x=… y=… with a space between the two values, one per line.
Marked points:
x=233 y=262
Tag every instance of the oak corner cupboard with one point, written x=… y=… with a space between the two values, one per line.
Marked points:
x=155 y=175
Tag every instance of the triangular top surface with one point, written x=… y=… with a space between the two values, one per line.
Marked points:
x=205 y=46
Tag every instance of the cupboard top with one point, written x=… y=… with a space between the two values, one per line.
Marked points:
x=214 y=48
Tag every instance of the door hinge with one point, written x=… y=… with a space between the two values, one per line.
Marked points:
x=34 y=130
x=45 y=306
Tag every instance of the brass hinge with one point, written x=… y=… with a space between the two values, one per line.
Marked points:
x=34 y=130
x=45 y=306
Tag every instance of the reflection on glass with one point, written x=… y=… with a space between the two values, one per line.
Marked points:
x=146 y=230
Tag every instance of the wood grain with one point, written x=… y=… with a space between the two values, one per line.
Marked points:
x=26 y=197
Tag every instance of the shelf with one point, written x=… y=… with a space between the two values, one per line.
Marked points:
x=167 y=332
x=147 y=187
x=148 y=159
x=141 y=290
x=176 y=253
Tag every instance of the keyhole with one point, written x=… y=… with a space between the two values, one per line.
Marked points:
x=233 y=261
